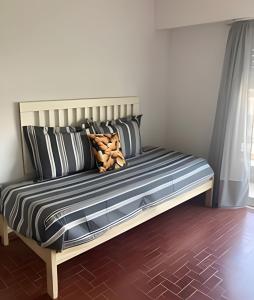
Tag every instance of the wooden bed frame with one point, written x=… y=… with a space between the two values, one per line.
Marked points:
x=71 y=112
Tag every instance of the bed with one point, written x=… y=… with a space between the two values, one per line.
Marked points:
x=64 y=217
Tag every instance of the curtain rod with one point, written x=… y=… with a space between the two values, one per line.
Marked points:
x=230 y=22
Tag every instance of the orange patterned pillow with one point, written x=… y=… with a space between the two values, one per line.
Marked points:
x=107 y=151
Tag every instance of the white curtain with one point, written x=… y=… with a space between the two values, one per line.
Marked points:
x=230 y=152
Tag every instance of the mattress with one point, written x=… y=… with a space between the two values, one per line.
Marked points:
x=75 y=209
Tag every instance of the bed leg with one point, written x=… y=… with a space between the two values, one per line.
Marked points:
x=209 y=198
x=52 y=280
x=4 y=231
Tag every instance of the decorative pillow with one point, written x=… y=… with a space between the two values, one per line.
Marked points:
x=107 y=151
x=128 y=130
x=58 y=151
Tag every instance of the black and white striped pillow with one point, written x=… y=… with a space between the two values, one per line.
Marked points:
x=127 y=128
x=58 y=151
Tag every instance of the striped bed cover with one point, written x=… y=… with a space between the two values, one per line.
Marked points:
x=72 y=210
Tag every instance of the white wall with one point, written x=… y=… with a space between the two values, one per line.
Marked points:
x=95 y=48
x=177 y=13
x=196 y=56
x=83 y=48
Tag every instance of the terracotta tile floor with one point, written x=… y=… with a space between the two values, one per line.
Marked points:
x=190 y=252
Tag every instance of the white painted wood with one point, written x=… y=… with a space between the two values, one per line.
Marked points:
x=52 y=278
x=70 y=112
x=95 y=115
x=129 y=109
x=70 y=116
x=102 y=113
x=115 y=112
x=122 y=111
x=135 y=109
x=86 y=112
x=110 y=113
x=52 y=121
x=4 y=231
x=79 y=115
x=42 y=118
x=209 y=197
x=61 y=117
x=75 y=103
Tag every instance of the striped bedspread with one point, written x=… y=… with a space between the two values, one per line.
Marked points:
x=72 y=210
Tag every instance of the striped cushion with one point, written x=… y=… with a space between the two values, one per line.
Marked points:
x=58 y=151
x=128 y=130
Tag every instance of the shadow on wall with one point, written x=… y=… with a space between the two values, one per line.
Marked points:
x=15 y=169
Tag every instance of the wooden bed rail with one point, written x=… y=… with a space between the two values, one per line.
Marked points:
x=53 y=258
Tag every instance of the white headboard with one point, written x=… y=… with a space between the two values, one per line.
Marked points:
x=71 y=112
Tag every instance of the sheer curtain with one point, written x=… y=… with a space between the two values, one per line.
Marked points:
x=230 y=151
x=251 y=192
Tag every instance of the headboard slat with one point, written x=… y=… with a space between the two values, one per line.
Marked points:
x=61 y=117
x=79 y=114
x=95 y=113
x=116 y=115
x=135 y=109
x=52 y=121
x=128 y=109
x=122 y=111
x=109 y=113
x=70 y=116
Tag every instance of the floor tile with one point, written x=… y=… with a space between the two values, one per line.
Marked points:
x=190 y=252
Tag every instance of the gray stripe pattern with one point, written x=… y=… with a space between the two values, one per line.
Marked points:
x=58 y=151
x=127 y=128
x=68 y=211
